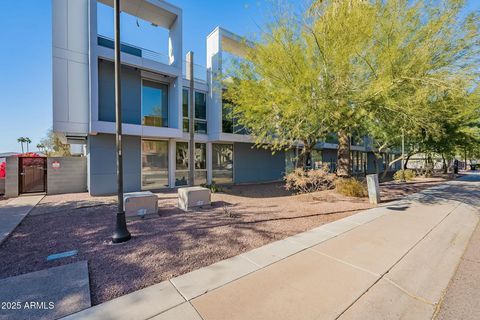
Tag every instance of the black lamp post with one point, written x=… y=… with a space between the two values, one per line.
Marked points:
x=121 y=233
x=191 y=120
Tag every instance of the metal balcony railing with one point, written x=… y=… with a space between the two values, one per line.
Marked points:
x=134 y=50
x=199 y=71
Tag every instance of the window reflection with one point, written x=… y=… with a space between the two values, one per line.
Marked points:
x=154 y=164
x=154 y=104
x=200 y=124
x=222 y=163
x=182 y=156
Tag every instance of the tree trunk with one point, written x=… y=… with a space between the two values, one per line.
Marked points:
x=343 y=154
x=385 y=171
x=306 y=159
x=406 y=162
x=444 y=165
x=307 y=156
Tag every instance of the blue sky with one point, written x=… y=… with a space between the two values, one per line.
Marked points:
x=25 y=54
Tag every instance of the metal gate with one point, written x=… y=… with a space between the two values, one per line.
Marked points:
x=33 y=174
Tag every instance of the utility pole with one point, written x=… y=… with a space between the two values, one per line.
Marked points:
x=191 y=120
x=121 y=233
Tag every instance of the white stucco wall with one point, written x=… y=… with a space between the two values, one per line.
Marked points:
x=70 y=66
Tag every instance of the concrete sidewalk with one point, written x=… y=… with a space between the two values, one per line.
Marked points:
x=461 y=298
x=13 y=211
x=391 y=262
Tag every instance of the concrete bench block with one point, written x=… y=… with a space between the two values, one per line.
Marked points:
x=191 y=197
x=140 y=203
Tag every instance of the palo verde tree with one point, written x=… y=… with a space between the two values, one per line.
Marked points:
x=380 y=67
x=426 y=61
x=303 y=79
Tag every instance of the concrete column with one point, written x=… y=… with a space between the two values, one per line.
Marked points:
x=214 y=70
x=175 y=56
x=373 y=188
x=11 y=178
x=209 y=163
x=172 y=144
x=175 y=48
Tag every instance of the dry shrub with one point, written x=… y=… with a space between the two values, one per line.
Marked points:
x=404 y=175
x=351 y=187
x=303 y=181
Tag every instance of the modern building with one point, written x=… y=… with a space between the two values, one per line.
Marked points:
x=155 y=104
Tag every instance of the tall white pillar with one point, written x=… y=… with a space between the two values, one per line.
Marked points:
x=172 y=144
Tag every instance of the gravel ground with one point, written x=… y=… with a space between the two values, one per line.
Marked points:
x=172 y=243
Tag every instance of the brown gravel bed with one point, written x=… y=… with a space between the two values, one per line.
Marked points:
x=173 y=243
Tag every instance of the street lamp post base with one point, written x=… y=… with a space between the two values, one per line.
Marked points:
x=120 y=238
x=121 y=233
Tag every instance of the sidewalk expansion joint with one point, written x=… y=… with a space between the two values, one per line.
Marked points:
x=195 y=309
x=175 y=306
x=166 y=310
x=347 y=263
x=383 y=276
x=173 y=284
x=414 y=296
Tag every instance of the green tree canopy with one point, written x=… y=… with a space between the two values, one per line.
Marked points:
x=376 y=67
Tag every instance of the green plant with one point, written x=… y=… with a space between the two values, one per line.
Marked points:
x=214 y=188
x=305 y=181
x=404 y=175
x=351 y=187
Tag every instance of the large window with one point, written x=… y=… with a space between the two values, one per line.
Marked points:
x=154 y=164
x=229 y=121
x=200 y=112
x=200 y=123
x=185 y=110
x=181 y=173
x=200 y=163
x=154 y=104
x=182 y=169
x=222 y=163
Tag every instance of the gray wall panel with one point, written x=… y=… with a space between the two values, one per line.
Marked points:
x=102 y=164
x=71 y=176
x=131 y=93
x=11 y=178
x=256 y=165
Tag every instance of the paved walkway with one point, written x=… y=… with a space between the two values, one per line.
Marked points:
x=46 y=294
x=13 y=211
x=391 y=262
x=462 y=296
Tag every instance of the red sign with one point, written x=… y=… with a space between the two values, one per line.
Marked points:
x=55 y=165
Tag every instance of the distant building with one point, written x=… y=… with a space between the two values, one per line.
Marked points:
x=7 y=154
